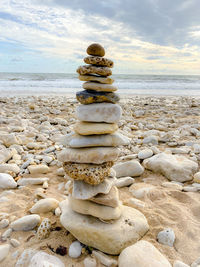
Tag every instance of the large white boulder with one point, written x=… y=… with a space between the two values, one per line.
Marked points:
x=110 y=238
x=174 y=167
x=142 y=254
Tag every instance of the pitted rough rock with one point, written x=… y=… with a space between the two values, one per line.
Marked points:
x=90 y=69
x=87 y=207
x=174 y=167
x=142 y=254
x=90 y=173
x=99 y=61
x=99 y=87
x=82 y=190
x=94 y=78
x=94 y=155
x=91 y=96
x=77 y=141
x=44 y=229
x=113 y=238
x=91 y=128
x=99 y=112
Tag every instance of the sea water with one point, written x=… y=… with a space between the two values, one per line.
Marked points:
x=12 y=84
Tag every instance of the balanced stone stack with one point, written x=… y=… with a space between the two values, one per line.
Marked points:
x=93 y=212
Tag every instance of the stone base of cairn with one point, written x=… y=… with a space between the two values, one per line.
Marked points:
x=93 y=212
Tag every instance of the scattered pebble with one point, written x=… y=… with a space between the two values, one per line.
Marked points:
x=166 y=237
x=75 y=249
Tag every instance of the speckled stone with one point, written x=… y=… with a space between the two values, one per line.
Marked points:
x=99 y=61
x=91 y=96
x=95 y=49
x=90 y=173
x=91 y=69
x=95 y=78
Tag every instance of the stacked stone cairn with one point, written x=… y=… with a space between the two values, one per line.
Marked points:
x=93 y=212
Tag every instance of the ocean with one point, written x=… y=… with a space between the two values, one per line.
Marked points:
x=14 y=84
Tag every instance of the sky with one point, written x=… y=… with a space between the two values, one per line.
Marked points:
x=140 y=36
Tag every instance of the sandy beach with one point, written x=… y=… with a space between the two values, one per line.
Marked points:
x=30 y=132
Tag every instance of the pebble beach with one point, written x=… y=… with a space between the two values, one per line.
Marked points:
x=164 y=184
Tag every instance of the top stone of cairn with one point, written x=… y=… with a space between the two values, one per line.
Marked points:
x=95 y=50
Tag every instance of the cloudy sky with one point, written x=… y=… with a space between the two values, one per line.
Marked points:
x=141 y=36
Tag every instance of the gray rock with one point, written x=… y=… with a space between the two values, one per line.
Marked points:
x=25 y=223
x=166 y=237
x=130 y=168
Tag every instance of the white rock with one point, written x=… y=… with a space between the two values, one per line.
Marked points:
x=6 y=234
x=190 y=189
x=14 y=242
x=136 y=203
x=166 y=237
x=172 y=185
x=57 y=211
x=9 y=139
x=45 y=185
x=25 y=257
x=196 y=263
x=174 y=167
x=25 y=223
x=7 y=181
x=45 y=205
x=75 y=249
x=129 y=168
x=142 y=254
x=82 y=190
x=145 y=153
x=99 y=112
x=48 y=159
x=60 y=172
x=104 y=259
x=140 y=190
x=89 y=262
x=124 y=181
x=4 y=250
x=197 y=177
x=151 y=140
x=5 y=168
x=32 y=181
x=5 y=155
x=43 y=259
x=4 y=223
x=180 y=264
x=36 y=169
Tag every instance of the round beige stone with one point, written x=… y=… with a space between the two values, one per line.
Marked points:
x=99 y=87
x=95 y=49
x=90 y=128
x=90 y=69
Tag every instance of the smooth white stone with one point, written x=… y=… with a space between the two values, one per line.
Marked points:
x=145 y=153
x=180 y=264
x=45 y=185
x=196 y=263
x=75 y=249
x=60 y=172
x=4 y=223
x=26 y=223
x=31 y=181
x=75 y=140
x=36 y=169
x=190 y=189
x=151 y=140
x=57 y=211
x=89 y=262
x=43 y=259
x=6 y=234
x=104 y=259
x=99 y=112
x=45 y=205
x=174 y=167
x=136 y=203
x=4 y=250
x=82 y=190
x=4 y=168
x=172 y=185
x=130 y=168
x=14 y=242
x=142 y=254
x=166 y=237
x=124 y=181
x=7 y=181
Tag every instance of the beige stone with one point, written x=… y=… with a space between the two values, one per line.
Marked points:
x=99 y=61
x=91 y=128
x=44 y=205
x=82 y=190
x=109 y=238
x=142 y=254
x=87 y=207
x=111 y=199
x=99 y=87
x=90 y=69
x=94 y=155
x=90 y=173
x=94 y=78
x=95 y=49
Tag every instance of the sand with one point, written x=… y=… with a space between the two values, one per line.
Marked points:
x=165 y=208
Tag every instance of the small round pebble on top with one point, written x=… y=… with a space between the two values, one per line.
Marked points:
x=95 y=50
